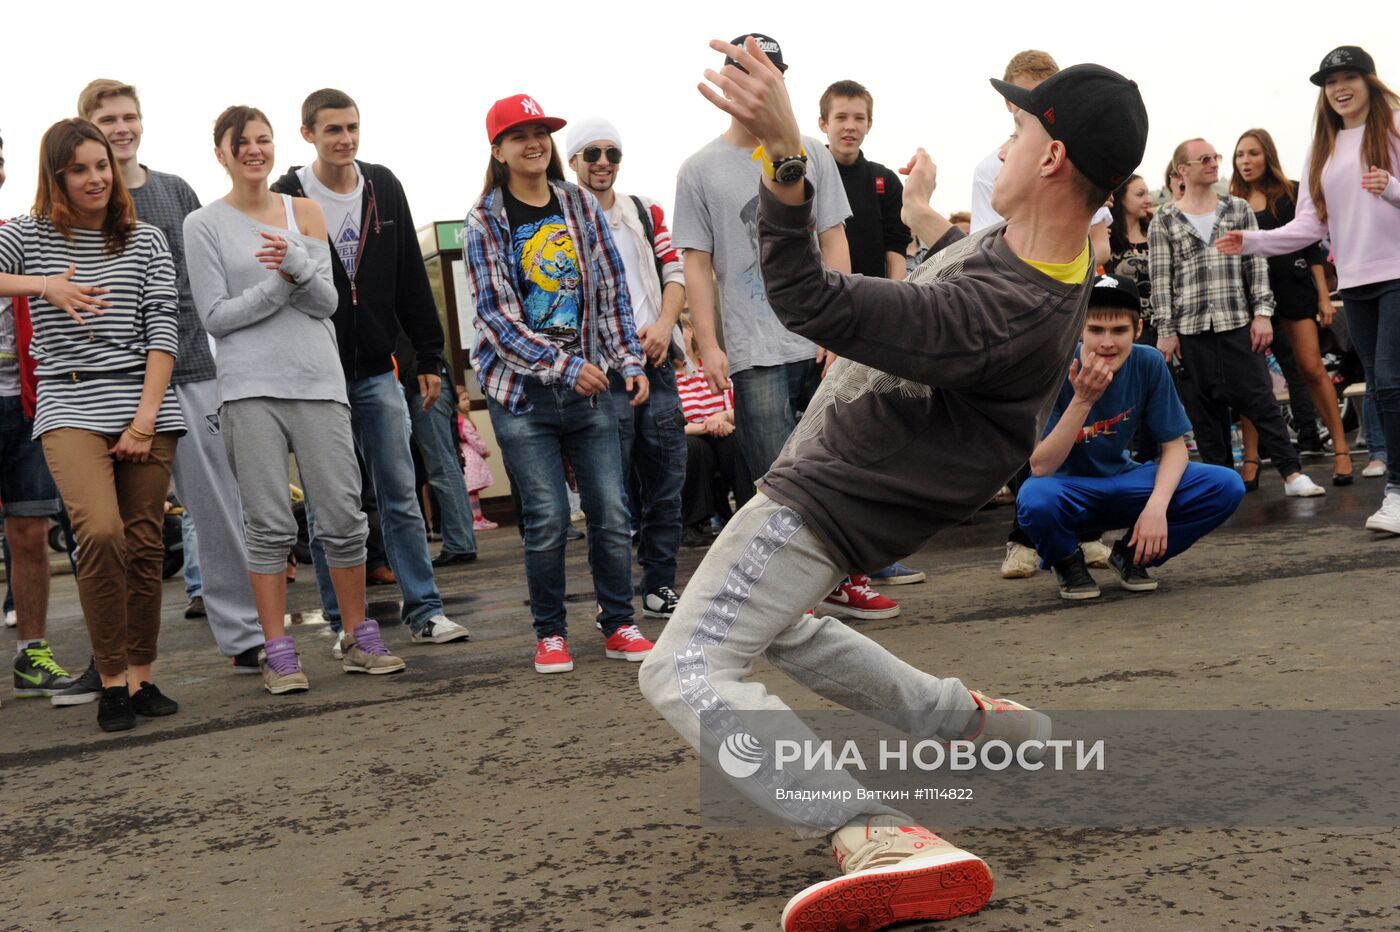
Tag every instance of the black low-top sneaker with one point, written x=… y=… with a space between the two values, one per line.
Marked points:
x=1131 y=576
x=660 y=602
x=1076 y=583
x=152 y=703
x=249 y=661
x=114 y=711
x=86 y=688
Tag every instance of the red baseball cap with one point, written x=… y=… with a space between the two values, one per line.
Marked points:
x=509 y=112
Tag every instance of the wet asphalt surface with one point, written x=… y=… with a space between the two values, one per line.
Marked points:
x=473 y=793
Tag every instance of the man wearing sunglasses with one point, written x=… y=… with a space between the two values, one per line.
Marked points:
x=653 y=433
x=1214 y=312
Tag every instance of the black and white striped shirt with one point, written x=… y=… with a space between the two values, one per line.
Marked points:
x=142 y=318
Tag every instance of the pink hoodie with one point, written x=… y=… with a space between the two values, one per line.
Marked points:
x=1365 y=228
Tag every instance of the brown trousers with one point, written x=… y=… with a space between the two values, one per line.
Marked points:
x=118 y=512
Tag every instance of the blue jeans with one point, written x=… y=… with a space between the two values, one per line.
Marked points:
x=768 y=401
x=653 y=444
x=1373 y=317
x=435 y=432
x=1053 y=509
x=189 y=544
x=563 y=423
x=379 y=419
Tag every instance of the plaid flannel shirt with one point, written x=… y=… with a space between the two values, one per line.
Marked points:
x=507 y=351
x=1195 y=288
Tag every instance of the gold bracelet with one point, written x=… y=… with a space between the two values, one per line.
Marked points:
x=139 y=434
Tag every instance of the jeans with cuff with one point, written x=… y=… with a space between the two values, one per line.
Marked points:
x=435 y=433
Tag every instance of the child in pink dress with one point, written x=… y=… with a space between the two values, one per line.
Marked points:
x=475 y=472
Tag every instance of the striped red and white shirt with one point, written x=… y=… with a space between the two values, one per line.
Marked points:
x=697 y=400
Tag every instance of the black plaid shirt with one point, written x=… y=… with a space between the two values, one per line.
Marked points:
x=1195 y=288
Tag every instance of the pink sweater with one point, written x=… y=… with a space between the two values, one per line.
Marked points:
x=1365 y=228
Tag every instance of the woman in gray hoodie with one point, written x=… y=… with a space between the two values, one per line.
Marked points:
x=260 y=270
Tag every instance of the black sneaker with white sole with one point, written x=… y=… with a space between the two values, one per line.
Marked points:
x=86 y=688
x=248 y=662
x=1131 y=576
x=1076 y=582
x=660 y=602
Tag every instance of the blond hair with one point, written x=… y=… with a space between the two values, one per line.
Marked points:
x=92 y=96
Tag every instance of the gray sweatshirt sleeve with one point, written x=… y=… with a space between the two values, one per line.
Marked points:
x=315 y=294
x=934 y=333
x=221 y=312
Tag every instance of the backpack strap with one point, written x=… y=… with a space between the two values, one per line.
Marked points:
x=644 y=215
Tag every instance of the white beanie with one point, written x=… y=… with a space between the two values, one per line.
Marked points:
x=590 y=129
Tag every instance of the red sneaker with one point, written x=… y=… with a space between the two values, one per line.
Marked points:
x=552 y=656
x=890 y=874
x=627 y=643
x=855 y=599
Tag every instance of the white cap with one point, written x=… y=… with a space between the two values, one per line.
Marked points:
x=590 y=129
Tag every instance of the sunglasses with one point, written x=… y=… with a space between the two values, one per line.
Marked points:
x=1208 y=160
x=593 y=153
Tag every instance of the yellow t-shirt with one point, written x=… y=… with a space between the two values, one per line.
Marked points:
x=1071 y=273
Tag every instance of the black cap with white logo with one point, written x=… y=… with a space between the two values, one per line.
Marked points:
x=770 y=47
x=1344 y=58
x=1097 y=113
x=1115 y=291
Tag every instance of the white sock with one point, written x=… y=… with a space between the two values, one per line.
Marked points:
x=21 y=644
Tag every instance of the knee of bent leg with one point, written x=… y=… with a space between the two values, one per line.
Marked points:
x=545 y=524
x=655 y=678
x=1035 y=502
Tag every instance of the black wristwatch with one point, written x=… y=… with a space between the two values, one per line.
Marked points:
x=786 y=170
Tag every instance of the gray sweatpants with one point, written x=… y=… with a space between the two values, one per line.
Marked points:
x=259 y=433
x=207 y=489
x=747 y=599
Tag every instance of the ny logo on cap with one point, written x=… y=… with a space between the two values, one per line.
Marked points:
x=528 y=105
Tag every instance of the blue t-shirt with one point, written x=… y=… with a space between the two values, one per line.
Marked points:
x=1140 y=395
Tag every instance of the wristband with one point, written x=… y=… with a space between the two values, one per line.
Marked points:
x=140 y=435
x=44 y=290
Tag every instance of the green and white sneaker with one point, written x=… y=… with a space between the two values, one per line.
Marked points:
x=37 y=674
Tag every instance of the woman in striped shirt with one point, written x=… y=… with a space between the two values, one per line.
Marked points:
x=104 y=346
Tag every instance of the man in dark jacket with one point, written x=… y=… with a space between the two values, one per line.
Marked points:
x=383 y=286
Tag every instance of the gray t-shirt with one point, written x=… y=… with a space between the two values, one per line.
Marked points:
x=9 y=351
x=717 y=212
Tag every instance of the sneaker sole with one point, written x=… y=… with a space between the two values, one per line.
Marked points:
x=117 y=726
x=860 y=614
x=632 y=656
x=942 y=887
x=84 y=699
x=909 y=580
x=36 y=692
x=1371 y=525
x=1017 y=574
x=1318 y=492
x=376 y=671
x=652 y=614
x=245 y=671
x=1146 y=586
x=461 y=634
x=554 y=667
x=284 y=689
x=1080 y=596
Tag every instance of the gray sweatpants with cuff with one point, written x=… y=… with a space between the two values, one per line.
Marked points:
x=259 y=433
x=206 y=487
x=748 y=599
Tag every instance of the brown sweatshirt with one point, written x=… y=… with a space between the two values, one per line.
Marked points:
x=944 y=384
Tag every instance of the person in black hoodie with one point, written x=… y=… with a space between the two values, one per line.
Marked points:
x=383 y=286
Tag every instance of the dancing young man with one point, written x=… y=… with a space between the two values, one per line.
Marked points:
x=970 y=352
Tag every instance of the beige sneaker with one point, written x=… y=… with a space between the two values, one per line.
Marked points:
x=1096 y=553
x=1021 y=562
x=364 y=651
x=890 y=873
x=1010 y=722
x=277 y=683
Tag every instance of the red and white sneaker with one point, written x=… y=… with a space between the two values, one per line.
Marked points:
x=855 y=599
x=890 y=873
x=627 y=643
x=552 y=656
x=1011 y=722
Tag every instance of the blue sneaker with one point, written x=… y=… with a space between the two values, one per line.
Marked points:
x=897 y=574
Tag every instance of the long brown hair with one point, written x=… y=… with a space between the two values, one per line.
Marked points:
x=51 y=201
x=1117 y=229
x=498 y=173
x=1273 y=183
x=1375 y=142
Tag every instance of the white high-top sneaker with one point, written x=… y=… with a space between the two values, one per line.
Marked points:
x=890 y=873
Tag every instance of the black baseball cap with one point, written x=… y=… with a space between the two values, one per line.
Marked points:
x=1116 y=291
x=1097 y=113
x=770 y=47
x=1344 y=58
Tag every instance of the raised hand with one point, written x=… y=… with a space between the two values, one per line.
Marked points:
x=755 y=96
x=1376 y=180
x=1230 y=243
x=1091 y=381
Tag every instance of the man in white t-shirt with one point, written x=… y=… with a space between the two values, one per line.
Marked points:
x=652 y=433
x=1026 y=69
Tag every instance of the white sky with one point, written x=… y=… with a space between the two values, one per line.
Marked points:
x=425 y=74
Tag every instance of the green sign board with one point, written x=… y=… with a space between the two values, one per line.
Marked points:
x=449 y=235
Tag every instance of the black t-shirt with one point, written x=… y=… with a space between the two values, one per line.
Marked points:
x=874 y=228
x=1290 y=275
x=547 y=264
